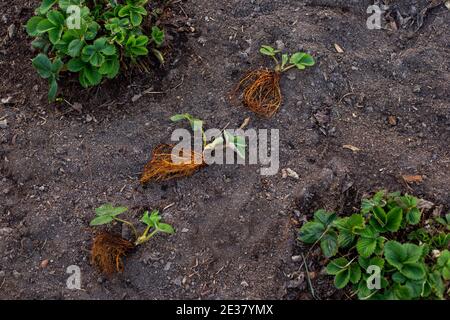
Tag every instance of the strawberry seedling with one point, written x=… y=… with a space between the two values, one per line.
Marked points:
x=261 y=87
x=109 y=249
x=165 y=165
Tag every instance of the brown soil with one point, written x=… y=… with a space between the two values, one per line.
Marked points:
x=386 y=94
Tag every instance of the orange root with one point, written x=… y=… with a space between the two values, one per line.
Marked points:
x=162 y=168
x=261 y=91
x=107 y=252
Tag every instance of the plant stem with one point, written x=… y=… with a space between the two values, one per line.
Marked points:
x=309 y=278
x=129 y=224
x=204 y=138
x=276 y=61
x=145 y=237
x=288 y=68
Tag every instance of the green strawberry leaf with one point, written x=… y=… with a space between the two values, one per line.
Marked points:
x=329 y=244
x=366 y=246
x=355 y=273
x=413 y=252
x=268 y=51
x=75 y=65
x=324 y=217
x=157 y=36
x=75 y=47
x=46 y=5
x=342 y=279
x=311 y=231
x=394 y=219
x=32 y=24
x=166 y=228
x=337 y=265
x=413 y=216
x=395 y=254
x=106 y=214
x=52 y=90
x=43 y=65
x=414 y=271
x=56 y=18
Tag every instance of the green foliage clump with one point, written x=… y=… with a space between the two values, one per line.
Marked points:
x=90 y=38
x=388 y=234
x=299 y=60
x=107 y=213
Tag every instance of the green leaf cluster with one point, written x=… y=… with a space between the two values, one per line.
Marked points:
x=418 y=269
x=91 y=39
x=107 y=213
x=153 y=220
x=300 y=60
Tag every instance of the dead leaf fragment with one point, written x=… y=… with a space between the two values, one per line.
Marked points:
x=425 y=205
x=77 y=107
x=350 y=147
x=338 y=48
x=413 y=179
x=44 y=263
x=7 y=100
x=392 y=120
x=3 y=124
x=291 y=173
x=288 y=172
x=136 y=97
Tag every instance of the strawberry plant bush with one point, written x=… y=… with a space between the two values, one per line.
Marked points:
x=90 y=38
x=390 y=238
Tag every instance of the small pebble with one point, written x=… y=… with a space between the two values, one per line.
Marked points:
x=6 y=100
x=280 y=44
x=5 y=231
x=202 y=41
x=291 y=76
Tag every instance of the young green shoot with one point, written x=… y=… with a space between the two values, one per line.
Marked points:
x=227 y=140
x=107 y=213
x=300 y=60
